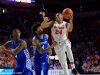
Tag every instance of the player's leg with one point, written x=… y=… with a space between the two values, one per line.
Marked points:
x=70 y=57
x=27 y=72
x=45 y=65
x=62 y=59
x=37 y=70
x=27 y=67
x=37 y=67
x=45 y=68
x=69 y=53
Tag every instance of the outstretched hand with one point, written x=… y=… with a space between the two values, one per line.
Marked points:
x=46 y=23
x=46 y=19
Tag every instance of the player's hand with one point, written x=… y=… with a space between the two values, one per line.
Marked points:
x=50 y=47
x=54 y=44
x=2 y=48
x=71 y=65
x=46 y=23
x=46 y=19
x=71 y=18
x=1 y=52
x=49 y=50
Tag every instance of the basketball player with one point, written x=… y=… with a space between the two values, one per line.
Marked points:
x=58 y=31
x=40 y=41
x=19 y=49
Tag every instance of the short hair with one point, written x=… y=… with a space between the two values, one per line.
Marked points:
x=34 y=27
x=15 y=29
x=58 y=14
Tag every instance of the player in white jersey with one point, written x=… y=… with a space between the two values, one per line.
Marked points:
x=59 y=36
x=58 y=31
x=61 y=42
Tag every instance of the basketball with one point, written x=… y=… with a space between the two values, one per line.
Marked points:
x=67 y=13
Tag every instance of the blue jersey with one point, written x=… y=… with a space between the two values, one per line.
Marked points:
x=44 y=44
x=23 y=57
x=41 y=59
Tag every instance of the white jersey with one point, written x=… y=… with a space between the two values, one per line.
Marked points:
x=59 y=31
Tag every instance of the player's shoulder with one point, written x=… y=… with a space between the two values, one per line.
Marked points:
x=23 y=41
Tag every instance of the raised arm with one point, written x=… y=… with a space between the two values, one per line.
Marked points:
x=17 y=50
x=46 y=23
x=69 y=25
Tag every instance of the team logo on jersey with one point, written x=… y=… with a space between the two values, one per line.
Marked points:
x=44 y=42
x=61 y=27
x=55 y=26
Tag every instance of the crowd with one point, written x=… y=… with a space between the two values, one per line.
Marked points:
x=7 y=61
x=85 y=47
x=88 y=59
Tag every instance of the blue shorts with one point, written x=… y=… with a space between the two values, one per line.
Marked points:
x=41 y=65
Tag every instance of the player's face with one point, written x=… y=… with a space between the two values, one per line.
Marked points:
x=16 y=34
x=39 y=30
x=59 y=18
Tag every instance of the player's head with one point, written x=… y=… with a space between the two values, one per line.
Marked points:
x=59 y=17
x=38 y=29
x=16 y=33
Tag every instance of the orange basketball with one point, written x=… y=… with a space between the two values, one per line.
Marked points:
x=67 y=13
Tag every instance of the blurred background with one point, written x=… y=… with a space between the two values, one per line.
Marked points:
x=85 y=38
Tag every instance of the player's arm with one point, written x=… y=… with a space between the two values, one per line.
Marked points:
x=5 y=48
x=49 y=50
x=48 y=43
x=69 y=25
x=18 y=49
x=46 y=23
x=7 y=44
x=35 y=43
x=38 y=46
x=49 y=47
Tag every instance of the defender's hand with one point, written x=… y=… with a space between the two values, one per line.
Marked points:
x=46 y=19
x=54 y=44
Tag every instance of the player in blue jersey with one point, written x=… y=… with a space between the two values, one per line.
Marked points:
x=20 y=51
x=41 y=51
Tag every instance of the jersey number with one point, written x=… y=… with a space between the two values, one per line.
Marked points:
x=58 y=31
